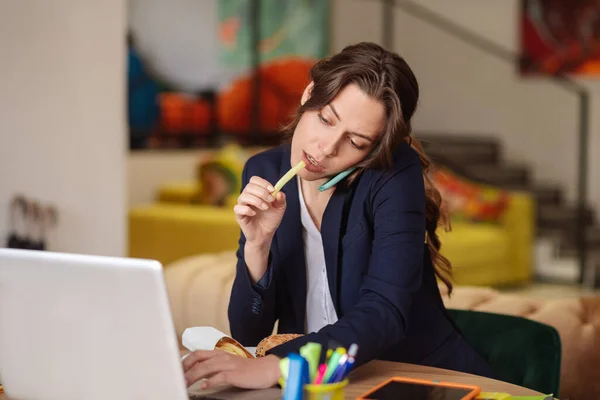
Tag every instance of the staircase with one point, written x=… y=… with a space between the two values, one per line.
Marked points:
x=479 y=158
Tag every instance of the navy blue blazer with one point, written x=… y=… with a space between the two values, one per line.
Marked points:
x=379 y=270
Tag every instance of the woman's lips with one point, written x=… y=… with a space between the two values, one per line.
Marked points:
x=310 y=166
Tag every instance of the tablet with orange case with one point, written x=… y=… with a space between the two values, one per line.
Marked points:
x=420 y=389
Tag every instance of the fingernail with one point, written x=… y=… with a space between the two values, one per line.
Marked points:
x=264 y=206
x=270 y=198
x=203 y=385
x=253 y=213
x=270 y=188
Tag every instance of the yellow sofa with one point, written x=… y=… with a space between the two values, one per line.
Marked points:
x=481 y=254
x=494 y=254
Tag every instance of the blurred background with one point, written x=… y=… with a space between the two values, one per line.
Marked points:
x=125 y=123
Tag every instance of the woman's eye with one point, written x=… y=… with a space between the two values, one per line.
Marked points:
x=354 y=144
x=323 y=120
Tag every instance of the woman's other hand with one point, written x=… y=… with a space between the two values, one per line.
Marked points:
x=222 y=368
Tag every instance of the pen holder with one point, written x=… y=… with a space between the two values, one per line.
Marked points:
x=328 y=391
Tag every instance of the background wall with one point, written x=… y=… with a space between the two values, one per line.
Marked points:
x=148 y=170
x=62 y=121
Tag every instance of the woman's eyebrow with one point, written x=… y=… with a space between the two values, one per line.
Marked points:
x=334 y=111
x=366 y=137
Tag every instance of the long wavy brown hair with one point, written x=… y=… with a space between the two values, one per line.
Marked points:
x=384 y=76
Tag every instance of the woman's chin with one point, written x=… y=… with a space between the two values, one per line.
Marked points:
x=310 y=176
x=306 y=175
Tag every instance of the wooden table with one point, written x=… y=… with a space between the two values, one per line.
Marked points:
x=371 y=374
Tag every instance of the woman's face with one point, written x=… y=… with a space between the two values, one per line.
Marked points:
x=338 y=136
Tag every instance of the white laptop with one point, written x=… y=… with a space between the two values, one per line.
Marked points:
x=76 y=327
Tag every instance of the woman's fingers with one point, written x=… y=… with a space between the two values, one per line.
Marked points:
x=243 y=211
x=217 y=379
x=259 y=191
x=257 y=180
x=246 y=199
x=234 y=370
x=197 y=356
x=207 y=369
x=280 y=201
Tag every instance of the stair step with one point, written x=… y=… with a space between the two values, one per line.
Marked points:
x=561 y=217
x=547 y=195
x=502 y=175
x=518 y=187
x=460 y=149
x=592 y=237
x=569 y=251
x=470 y=140
x=458 y=155
x=550 y=233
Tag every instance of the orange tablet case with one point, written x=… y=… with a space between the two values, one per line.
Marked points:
x=474 y=390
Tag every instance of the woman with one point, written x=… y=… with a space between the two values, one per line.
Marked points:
x=356 y=260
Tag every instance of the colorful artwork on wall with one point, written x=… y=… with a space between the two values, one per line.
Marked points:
x=560 y=37
x=293 y=35
x=165 y=113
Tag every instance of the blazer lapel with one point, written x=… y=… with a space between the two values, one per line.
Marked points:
x=331 y=227
x=290 y=248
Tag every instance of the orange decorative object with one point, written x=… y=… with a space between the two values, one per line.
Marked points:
x=234 y=108
x=290 y=75
x=199 y=116
x=281 y=85
x=182 y=113
x=469 y=200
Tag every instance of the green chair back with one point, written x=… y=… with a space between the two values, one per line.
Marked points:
x=519 y=350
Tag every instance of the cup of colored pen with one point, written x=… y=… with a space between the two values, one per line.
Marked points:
x=303 y=378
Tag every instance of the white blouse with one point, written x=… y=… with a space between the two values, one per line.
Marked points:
x=319 y=305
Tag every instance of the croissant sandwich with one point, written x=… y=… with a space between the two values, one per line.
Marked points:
x=231 y=346
x=273 y=341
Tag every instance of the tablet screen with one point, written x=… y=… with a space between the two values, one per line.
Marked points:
x=416 y=391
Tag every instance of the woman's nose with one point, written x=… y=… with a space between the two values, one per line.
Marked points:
x=329 y=147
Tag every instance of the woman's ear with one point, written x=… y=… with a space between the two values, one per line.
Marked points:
x=307 y=92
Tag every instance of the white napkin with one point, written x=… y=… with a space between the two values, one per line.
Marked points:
x=205 y=338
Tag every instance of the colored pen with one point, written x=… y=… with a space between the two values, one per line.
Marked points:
x=297 y=378
x=320 y=374
x=312 y=353
x=338 y=373
x=284 y=367
x=351 y=360
x=333 y=362
x=346 y=364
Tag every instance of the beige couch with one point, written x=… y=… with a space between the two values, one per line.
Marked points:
x=199 y=290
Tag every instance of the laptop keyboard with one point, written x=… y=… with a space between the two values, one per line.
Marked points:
x=202 y=397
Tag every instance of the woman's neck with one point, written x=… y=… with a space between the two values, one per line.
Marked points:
x=310 y=189
x=315 y=201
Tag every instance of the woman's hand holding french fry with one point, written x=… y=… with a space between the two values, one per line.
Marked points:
x=259 y=212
